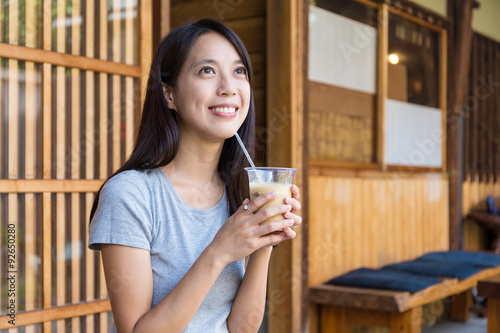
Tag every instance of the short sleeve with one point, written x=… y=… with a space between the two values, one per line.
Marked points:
x=124 y=214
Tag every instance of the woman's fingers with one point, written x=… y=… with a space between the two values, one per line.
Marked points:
x=293 y=201
x=296 y=218
x=295 y=192
x=262 y=200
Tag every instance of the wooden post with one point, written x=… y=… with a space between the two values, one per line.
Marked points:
x=460 y=15
x=382 y=81
x=460 y=306
x=286 y=72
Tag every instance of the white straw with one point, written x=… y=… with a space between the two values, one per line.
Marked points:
x=244 y=149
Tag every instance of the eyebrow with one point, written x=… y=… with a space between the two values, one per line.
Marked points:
x=212 y=61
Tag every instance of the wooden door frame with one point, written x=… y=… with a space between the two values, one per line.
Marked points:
x=287 y=52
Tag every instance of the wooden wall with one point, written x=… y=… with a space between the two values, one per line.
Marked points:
x=248 y=20
x=481 y=148
x=373 y=220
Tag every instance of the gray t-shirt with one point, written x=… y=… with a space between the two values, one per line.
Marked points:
x=142 y=209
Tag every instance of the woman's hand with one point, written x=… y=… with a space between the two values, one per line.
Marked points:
x=293 y=201
x=242 y=233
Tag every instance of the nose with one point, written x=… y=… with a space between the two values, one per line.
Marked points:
x=226 y=86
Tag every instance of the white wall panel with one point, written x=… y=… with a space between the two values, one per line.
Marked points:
x=413 y=135
x=342 y=52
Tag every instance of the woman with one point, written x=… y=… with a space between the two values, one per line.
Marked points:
x=171 y=223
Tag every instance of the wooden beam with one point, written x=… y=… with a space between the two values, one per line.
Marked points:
x=460 y=16
x=286 y=71
x=67 y=60
x=58 y=313
x=50 y=185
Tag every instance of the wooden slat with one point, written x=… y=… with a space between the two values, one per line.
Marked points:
x=1 y=138
x=76 y=154
x=490 y=113
x=31 y=106
x=116 y=90
x=474 y=118
x=129 y=82
x=60 y=151
x=146 y=43
x=443 y=93
x=481 y=113
x=103 y=294
x=60 y=312
x=13 y=107
x=103 y=95
x=47 y=254
x=497 y=115
x=467 y=121
x=67 y=60
x=382 y=81
x=89 y=267
x=90 y=114
x=165 y=16
x=103 y=124
x=60 y=253
x=2 y=152
x=46 y=161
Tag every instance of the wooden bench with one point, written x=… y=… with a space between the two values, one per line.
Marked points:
x=337 y=307
x=491 y=222
x=490 y=288
x=480 y=215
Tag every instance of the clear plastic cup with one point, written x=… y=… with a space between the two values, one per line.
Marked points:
x=268 y=179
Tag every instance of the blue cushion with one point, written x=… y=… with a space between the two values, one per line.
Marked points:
x=435 y=268
x=384 y=279
x=479 y=259
x=420 y=273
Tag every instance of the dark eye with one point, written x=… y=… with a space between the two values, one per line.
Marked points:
x=241 y=70
x=207 y=70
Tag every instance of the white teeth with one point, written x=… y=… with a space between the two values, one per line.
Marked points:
x=225 y=110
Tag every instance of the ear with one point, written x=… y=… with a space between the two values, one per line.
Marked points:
x=169 y=97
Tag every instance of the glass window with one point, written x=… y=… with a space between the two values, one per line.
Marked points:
x=413 y=63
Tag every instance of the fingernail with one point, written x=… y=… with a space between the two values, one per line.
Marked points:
x=274 y=193
x=288 y=207
x=290 y=222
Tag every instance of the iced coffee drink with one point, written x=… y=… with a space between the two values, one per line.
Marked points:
x=263 y=180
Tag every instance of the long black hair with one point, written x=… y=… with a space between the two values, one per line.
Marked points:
x=158 y=136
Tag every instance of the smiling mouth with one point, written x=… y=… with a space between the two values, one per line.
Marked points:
x=224 y=109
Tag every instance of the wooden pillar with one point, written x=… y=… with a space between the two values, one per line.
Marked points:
x=460 y=15
x=286 y=124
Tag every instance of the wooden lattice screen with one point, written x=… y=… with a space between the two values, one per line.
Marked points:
x=70 y=91
x=481 y=153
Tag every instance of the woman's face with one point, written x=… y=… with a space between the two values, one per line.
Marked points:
x=212 y=94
